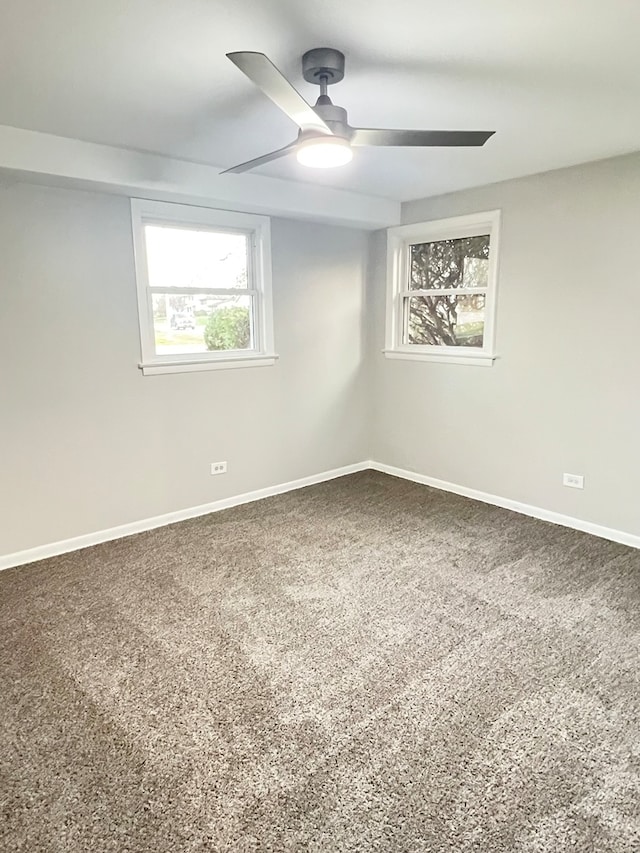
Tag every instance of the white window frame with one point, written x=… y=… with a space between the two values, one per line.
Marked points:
x=399 y=240
x=257 y=229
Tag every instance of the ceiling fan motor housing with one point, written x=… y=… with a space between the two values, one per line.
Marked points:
x=334 y=117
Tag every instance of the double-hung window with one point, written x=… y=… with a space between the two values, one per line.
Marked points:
x=204 y=287
x=441 y=297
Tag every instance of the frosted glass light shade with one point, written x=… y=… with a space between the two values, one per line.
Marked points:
x=324 y=153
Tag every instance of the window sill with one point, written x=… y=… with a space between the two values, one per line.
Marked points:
x=155 y=367
x=477 y=359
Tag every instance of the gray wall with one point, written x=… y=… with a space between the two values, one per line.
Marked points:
x=88 y=443
x=565 y=392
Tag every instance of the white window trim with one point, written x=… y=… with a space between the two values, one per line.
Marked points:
x=398 y=241
x=259 y=231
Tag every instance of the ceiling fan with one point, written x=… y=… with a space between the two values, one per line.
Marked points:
x=325 y=137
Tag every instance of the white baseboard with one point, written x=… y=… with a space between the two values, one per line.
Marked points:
x=66 y=545
x=506 y=503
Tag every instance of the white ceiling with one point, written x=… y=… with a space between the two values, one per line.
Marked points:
x=559 y=80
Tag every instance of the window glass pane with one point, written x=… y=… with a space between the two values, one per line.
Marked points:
x=452 y=321
x=187 y=257
x=201 y=323
x=444 y=264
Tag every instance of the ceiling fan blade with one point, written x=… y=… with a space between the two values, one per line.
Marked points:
x=428 y=138
x=258 y=161
x=261 y=71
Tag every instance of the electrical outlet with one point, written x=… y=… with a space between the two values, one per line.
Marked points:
x=574 y=481
x=218 y=467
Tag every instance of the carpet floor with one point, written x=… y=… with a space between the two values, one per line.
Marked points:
x=363 y=665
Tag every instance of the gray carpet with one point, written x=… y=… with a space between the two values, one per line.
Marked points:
x=363 y=665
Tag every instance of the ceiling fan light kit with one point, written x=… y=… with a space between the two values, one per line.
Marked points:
x=324 y=152
x=325 y=137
